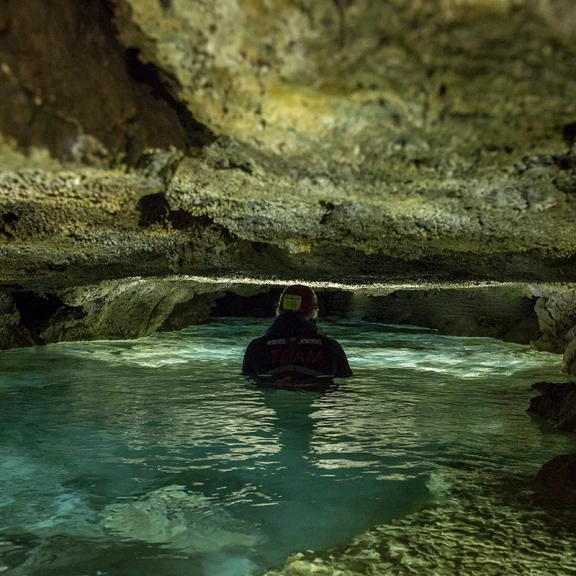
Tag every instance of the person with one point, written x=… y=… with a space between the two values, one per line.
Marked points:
x=292 y=353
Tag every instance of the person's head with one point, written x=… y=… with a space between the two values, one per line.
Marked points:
x=300 y=299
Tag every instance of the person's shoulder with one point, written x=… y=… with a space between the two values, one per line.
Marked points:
x=259 y=341
x=327 y=341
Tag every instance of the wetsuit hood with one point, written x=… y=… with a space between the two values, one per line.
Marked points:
x=292 y=324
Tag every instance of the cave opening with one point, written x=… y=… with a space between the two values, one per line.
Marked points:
x=503 y=313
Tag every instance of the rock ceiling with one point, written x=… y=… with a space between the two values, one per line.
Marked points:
x=407 y=141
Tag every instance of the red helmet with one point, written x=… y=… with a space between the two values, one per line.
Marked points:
x=298 y=298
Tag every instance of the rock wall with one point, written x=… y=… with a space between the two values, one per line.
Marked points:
x=12 y=333
x=504 y=313
x=556 y=310
x=289 y=75
x=64 y=74
x=136 y=307
x=109 y=310
x=543 y=316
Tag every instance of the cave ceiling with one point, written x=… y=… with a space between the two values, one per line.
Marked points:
x=352 y=141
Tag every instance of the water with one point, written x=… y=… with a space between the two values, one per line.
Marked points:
x=152 y=457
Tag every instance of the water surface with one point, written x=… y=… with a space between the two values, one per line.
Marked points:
x=151 y=456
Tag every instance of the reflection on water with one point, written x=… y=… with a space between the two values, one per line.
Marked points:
x=151 y=456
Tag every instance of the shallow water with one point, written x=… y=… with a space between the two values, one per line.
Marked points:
x=152 y=457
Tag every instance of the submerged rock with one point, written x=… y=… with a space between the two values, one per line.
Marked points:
x=179 y=519
x=485 y=524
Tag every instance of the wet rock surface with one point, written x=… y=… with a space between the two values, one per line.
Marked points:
x=556 y=310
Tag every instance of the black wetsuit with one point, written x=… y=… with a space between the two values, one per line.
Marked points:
x=293 y=354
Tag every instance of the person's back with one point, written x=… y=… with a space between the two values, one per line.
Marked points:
x=292 y=353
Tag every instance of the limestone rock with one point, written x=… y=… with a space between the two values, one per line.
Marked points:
x=12 y=333
x=109 y=310
x=292 y=75
x=126 y=309
x=194 y=311
x=556 y=311
x=556 y=482
x=569 y=359
x=179 y=519
x=504 y=313
x=73 y=78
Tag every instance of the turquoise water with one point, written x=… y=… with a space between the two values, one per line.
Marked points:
x=152 y=457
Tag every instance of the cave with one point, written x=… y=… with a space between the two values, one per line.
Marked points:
x=167 y=168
